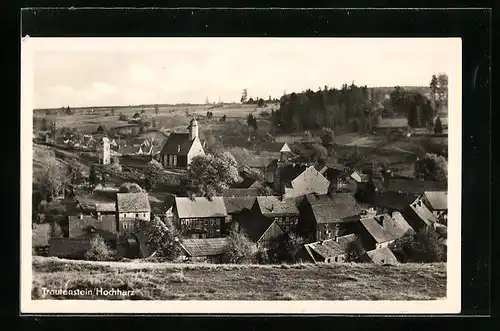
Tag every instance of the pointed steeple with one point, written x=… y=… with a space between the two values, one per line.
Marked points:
x=193 y=128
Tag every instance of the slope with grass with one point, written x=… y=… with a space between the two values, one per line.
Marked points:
x=164 y=281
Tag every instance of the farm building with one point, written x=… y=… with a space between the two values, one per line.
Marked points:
x=235 y=206
x=328 y=216
x=413 y=187
x=204 y=250
x=382 y=230
x=419 y=216
x=180 y=148
x=330 y=250
x=261 y=230
x=309 y=181
x=131 y=207
x=379 y=256
x=199 y=218
x=437 y=202
x=86 y=225
x=283 y=211
x=389 y=202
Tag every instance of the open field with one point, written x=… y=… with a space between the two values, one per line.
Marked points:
x=164 y=281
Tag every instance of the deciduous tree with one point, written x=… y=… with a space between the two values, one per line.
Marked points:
x=212 y=173
x=163 y=239
x=431 y=167
x=154 y=174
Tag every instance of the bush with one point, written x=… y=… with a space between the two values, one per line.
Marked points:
x=240 y=249
x=354 y=250
x=98 y=250
x=123 y=117
x=262 y=256
x=427 y=248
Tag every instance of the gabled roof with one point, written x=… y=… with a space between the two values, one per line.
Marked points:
x=204 y=247
x=330 y=247
x=334 y=208
x=237 y=204
x=415 y=186
x=310 y=181
x=378 y=232
x=177 y=144
x=421 y=210
x=200 y=207
x=438 y=200
x=381 y=256
x=285 y=148
x=271 y=206
x=398 y=225
x=392 y=200
x=384 y=228
x=132 y=202
x=256 y=227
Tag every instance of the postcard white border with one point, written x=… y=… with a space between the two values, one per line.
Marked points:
x=451 y=304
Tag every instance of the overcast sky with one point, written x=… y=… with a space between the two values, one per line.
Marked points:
x=125 y=72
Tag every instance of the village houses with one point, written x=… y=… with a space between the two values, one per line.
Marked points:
x=199 y=217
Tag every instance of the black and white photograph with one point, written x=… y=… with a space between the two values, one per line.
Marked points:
x=241 y=175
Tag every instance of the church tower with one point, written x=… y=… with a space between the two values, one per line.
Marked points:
x=193 y=129
x=105 y=152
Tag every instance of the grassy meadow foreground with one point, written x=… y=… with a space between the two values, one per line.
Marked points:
x=166 y=281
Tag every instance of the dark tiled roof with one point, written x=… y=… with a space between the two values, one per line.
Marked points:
x=255 y=227
x=333 y=208
x=237 y=204
x=132 y=202
x=258 y=162
x=289 y=172
x=205 y=247
x=382 y=256
x=392 y=200
x=415 y=186
x=80 y=227
x=177 y=144
x=240 y=192
x=271 y=206
x=200 y=207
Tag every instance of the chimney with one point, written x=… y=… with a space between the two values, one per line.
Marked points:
x=178 y=148
x=80 y=216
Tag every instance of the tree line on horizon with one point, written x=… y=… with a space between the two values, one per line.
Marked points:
x=359 y=108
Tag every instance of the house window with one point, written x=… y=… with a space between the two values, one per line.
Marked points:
x=136 y=215
x=174 y=161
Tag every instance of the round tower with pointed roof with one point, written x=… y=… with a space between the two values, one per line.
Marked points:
x=193 y=129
